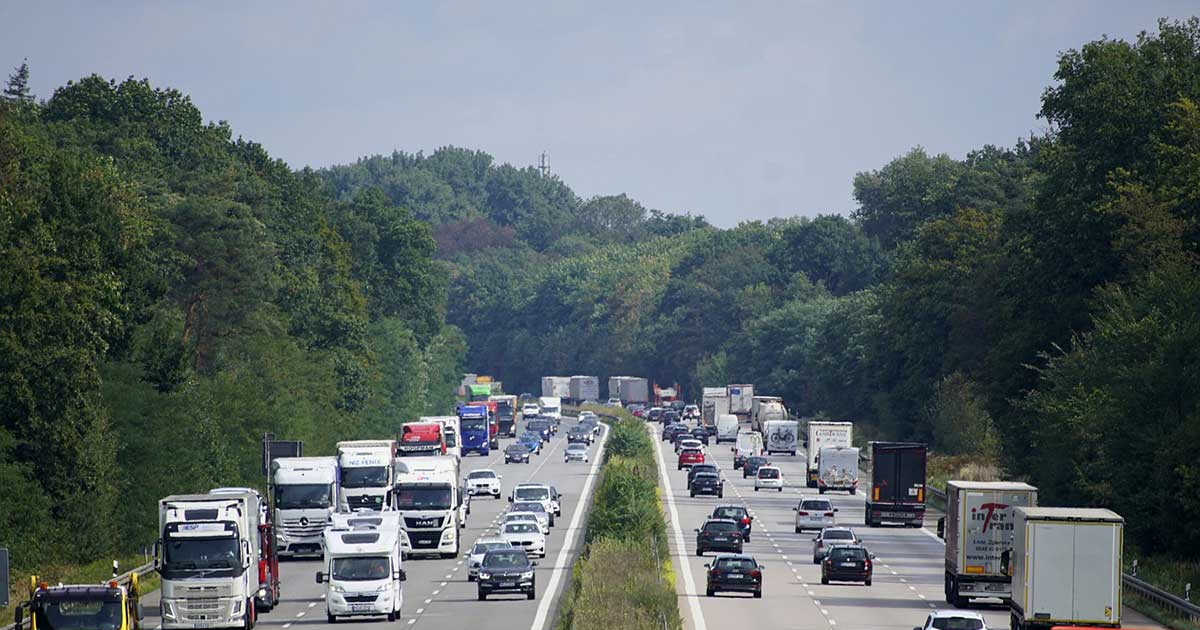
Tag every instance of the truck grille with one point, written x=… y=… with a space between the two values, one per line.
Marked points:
x=191 y=606
x=431 y=522
x=311 y=529
x=203 y=592
x=364 y=501
x=361 y=599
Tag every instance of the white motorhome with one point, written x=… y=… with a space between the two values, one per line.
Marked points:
x=727 y=428
x=820 y=435
x=432 y=510
x=207 y=554
x=783 y=436
x=551 y=406
x=363 y=569
x=837 y=469
x=749 y=444
x=450 y=432
x=305 y=494
x=367 y=474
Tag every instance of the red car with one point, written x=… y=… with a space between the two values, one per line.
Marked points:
x=690 y=456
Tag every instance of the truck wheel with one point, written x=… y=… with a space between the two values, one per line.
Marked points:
x=853 y=490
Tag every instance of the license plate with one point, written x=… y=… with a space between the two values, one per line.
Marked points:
x=507 y=584
x=894 y=515
x=850 y=564
x=361 y=607
x=735 y=576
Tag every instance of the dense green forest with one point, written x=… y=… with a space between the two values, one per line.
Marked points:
x=1038 y=304
x=170 y=293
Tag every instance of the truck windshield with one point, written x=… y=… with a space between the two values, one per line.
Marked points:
x=423 y=498
x=474 y=424
x=365 y=477
x=360 y=568
x=451 y=438
x=298 y=496
x=201 y=554
x=79 y=614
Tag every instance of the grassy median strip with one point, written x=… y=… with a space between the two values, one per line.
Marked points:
x=623 y=577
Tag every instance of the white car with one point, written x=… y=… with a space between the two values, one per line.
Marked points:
x=613 y=402
x=527 y=517
x=482 y=546
x=691 y=412
x=576 y=452
x=546 y=519
x=539 y=492
x=954 y=620
x=689 y=443
x=814 y=514
x=483 y=481
x=769 y=477
x=526 y=536
x=530 y=410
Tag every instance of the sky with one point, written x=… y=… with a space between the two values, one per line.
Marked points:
x=733 y=110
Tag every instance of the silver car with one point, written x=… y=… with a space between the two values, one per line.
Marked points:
x=814 y=514
x=482 y=546
x=544 y=517
x=577 y=452
x=832 y=537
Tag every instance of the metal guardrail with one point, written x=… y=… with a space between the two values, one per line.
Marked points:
x=122 y=579
x=1177 y=606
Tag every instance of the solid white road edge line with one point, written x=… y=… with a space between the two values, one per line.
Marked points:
x=689 y=585
x=560 y=563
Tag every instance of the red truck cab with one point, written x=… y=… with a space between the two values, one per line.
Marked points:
x=422 y=438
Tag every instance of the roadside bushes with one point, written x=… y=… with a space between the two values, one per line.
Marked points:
x=622 y=578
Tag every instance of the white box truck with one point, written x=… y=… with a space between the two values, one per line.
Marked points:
x=1066 y=568
x=208 y=556
x=821 y=434
x=584 y=388
x=362 y=569
x=713 y=404
x=551 y=407
x=367 y=474
x=782 y=435
x=978 y=528
x=305 y=495
x=837 y=469
x=629 y=389
x=741 y=399
x=556 y=386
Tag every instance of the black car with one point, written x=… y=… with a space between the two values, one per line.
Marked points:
x=516 y=452
x=700 y=433
x=668 y=416
x=591 y=424
x=543 y=427
x=752 y=464
x=673 y=430
x=506 y=571
x=734 y=573
x=736 y=513
x=579 y=433
x=707 y=483
x=696 y=469
x=718 y=534
x=847 y=563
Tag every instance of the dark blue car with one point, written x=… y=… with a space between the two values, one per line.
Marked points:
x=532 y=441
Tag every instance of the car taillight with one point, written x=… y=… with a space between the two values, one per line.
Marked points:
x=868 y=565
x=803 y=513
x=756 y=574
x=820 y=543
x=745 y=520
x=829 y=514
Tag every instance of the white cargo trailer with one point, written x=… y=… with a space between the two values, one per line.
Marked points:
x=741 y=399
x=1066 y=567
x=584 y=388
x=556 y=386
x=714 y=403
x=978 y=529
x=823 y=434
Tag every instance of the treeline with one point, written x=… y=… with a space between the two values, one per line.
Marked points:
x=168 y=294
x=1038 y=304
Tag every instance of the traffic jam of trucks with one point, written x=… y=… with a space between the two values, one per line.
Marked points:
x=365 y=510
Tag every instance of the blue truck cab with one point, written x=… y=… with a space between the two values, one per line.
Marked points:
x=473 y=426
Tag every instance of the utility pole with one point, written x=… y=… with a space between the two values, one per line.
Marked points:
x=544 y=164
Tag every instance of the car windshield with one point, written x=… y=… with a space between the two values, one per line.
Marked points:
x=360 y=568
x=768 y=473
x=532 y=494
x=729 y=512
x=516 y=448
x=505 y=559
x=719 y=526
x=520 y=528
x=481 y=548
x=816 y=506
x=957 y=623
x=837 y=534
x=481 y=474
x=756 y=461
x=848 y=553
x=518 y=517
x=423 y=498
x=365 y=477
x=294 y=496
x=79 y=614
x=737 y=564
x=529 y=506
x=576 y=448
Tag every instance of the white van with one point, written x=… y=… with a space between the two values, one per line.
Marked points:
x=362 y=572
x=550 y=406
x=749 y=444
x=727 y=428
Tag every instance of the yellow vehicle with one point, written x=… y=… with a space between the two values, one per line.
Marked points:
x=107 y=606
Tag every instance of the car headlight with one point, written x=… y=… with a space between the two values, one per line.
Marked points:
x=528 y=575
x=485 y=576
x=336 y=588
x=383 y=587
x=168 y=610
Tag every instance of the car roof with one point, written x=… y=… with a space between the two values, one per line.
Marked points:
x=492 y=540
x=768 y=468
x=532 y=485
x=720 y=520
x=837 y=529
x=729 y=505
x=706 y=474
x=951 y=614
x=579 y=446
x=736 y=556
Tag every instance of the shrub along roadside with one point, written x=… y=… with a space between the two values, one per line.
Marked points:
x=623 y=577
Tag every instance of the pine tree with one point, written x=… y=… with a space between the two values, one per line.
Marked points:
x=17 y=88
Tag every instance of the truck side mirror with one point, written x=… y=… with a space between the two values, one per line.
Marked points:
x=320 y=577
x=246 y=559
x=400 y=575
x=835 y=509
x=158 y=555
x=139 y=611
x=941 y=528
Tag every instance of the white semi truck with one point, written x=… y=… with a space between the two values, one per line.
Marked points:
x=362 y=569
x=978 y=528
x=822 y=434
x=557 y=386
x=741 y=399
x=714 y=403
x=208 y=555
x=305 y=495
x=367 y=474
x=764 y=409
x=432 y=510
x=584 y=388
x=1066 y=568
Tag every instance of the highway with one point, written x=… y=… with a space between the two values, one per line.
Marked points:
x=908 y=572
x=437 y=594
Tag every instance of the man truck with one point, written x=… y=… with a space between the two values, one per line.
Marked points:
x=822 y=434
x=431 y=508
x=978 y=528
x=897 y=492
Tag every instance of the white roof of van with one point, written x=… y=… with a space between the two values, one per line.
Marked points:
x=360 y=542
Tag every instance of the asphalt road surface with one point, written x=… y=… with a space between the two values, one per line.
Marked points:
x=908 y=572
x=437 y=594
